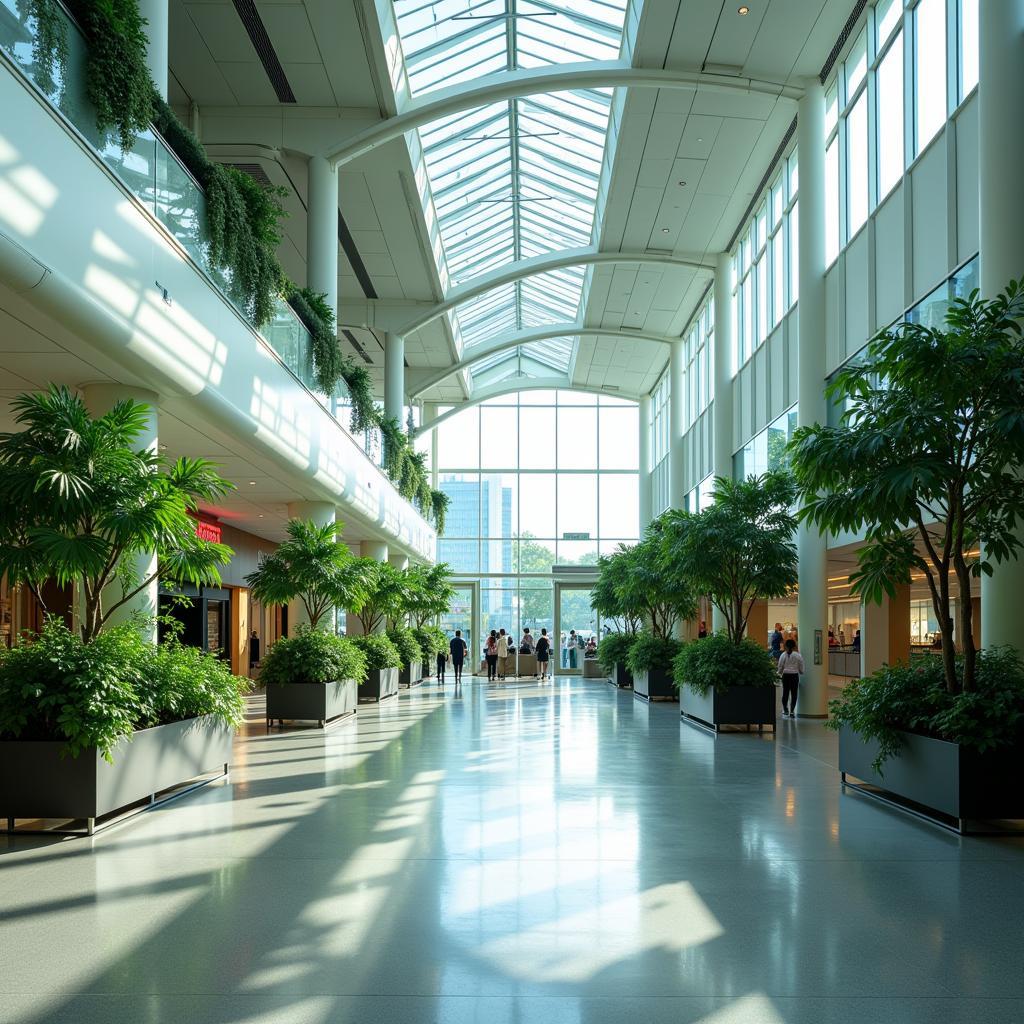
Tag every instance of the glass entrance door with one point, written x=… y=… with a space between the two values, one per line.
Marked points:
x=460 y=616
x=576 y=623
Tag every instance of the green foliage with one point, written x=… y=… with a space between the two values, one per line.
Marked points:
x=56 y=687
x=439 y=502
x=931 y=442
x=49 y=41
x=313 y=656
x=405 y=642
x=78 y=502
x=381 y=595
x=739 y=549
x=318 y=317
x=650 y=651
x=915 y=699
x=360 y=391
x=718 y=661
x=428 y=592
x=648 y=589
x=117 y=78
x=431 y=639
x=613 y=649
x=379 y=650
x=610 y=594
x=310 y=566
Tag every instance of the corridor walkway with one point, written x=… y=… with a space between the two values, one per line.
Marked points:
x=516 y=855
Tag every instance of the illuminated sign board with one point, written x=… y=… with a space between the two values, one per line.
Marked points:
x=207 y=530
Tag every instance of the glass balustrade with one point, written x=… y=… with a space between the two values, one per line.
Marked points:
x=159 y=180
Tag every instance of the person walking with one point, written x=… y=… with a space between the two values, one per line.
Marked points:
x=543 y=653
x=442 y=661
x=491 y=655
x=572 y=648
x=775 y=646
x=458 y=651
x=564 y=649
x=791 y=668
x=502 y=647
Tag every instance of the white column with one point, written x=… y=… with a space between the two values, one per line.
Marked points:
x=375 y=549
x=812 y=608
x=429 y=415
x=321 y=513
x=646 y=502
x=394 y=377
x=676 y=461
x=398 y=560
x=722 y=411
x=1000 y=158
x=874 y=636
x=322 y=230
x=100 y=399
x=157 y=15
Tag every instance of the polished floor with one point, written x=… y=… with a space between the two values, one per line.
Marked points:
x=516 y=854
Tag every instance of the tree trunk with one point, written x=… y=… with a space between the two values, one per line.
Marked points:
x=963 y=575
x=946 y=631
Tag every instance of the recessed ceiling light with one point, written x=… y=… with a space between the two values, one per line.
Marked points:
x=682 y=184
x=261 y=515
x=700 y=140
x=252 y=483
x=664 y=231
x=743 y=10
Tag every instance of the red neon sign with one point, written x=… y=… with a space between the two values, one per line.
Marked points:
x=205 y=530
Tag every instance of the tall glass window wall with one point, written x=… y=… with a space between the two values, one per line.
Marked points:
x=660 y=445
x=766 y=264
x=698 y=362
x=766 y=451
x=888 y=99
x=536 y=479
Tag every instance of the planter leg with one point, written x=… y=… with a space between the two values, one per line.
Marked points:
x=10 y=824
x=90 y=826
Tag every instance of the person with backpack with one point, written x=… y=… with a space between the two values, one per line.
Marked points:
x=543 y=653
x=791 y=668
x=491 y=656
x=442 y=661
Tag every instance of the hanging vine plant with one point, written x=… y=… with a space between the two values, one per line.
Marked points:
x=49 y=41
x=439 y=502
x=117 y=78
x=312 y=309
x=360 y=391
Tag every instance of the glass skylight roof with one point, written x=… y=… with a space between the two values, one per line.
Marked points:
x=518 y=178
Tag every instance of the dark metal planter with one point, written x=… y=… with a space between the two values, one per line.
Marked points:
x=410 y=675
x=380 y=684
x=592 y=669
x=312 y=702
x=739 y=705
x=938 y=780
x=621 y=676
x=36 y=782
x=654 y=685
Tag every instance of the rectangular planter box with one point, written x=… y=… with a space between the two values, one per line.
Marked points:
x=739 y=705
x=941 y=776
x=527 y=664
x=315 y=702
x=410 y=675
x=622 y=677
x=656 y=685
x=592 y=669
x=380 y=683
x=36 y=782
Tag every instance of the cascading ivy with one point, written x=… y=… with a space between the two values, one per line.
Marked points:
x=312 y=309
x=439 y=502
x=360 y=391
x=50 y=41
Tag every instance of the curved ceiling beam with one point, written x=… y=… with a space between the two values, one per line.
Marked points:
x=532 y=81
x=515 y=385
x=512 y=272
x=527 y=337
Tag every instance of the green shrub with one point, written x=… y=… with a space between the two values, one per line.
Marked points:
x=313 y=656
x=379 y=650
x=55 y=687
x=614 y=650
x=916 y=699
x=408 y=646
x=716 y=661
x=431 y=640
x=649 y=652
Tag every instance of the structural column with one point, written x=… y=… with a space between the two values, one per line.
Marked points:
x=156 y=13
x=812 y=608
x=321 y=513
x=676 y=461
x=1000 y=157
x=375 y=549
x=322 y=230
x=100 y=399
x=646 y=498
x=394 y=377
x=398 y=560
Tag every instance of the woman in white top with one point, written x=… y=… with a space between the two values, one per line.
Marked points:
x=502 y=653
x=791 y=668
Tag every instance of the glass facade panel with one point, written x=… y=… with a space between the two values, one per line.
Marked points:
x=930 y=70
x=890 y=118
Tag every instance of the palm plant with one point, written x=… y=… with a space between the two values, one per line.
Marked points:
x=657 y=597
x=609 y=593
x=80 y=501
x=311 y=567
x=429 y=592
x=380 y=598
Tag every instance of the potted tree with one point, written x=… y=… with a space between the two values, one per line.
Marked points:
x=411 y=653
x=79 y=503
x=429 y=595
x=926 y=462
x=607 y=600
x=382 y=664
x=662 y=600
x=738 y=550
x=312 y=676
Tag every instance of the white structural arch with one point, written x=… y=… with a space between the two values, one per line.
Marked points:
x=502 y=342
x=515 y=385
x=533 y=81
x=512 y=272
